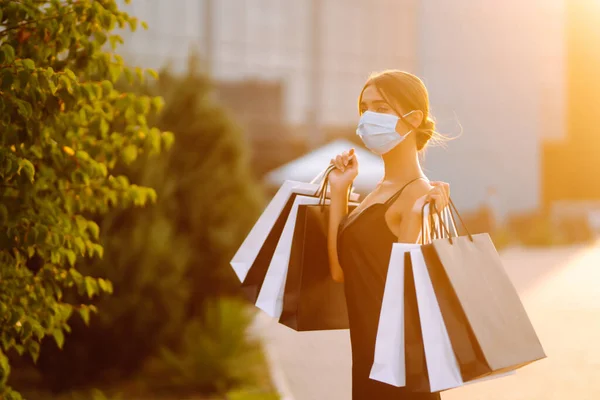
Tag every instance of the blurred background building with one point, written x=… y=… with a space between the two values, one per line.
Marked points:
x=498 y=69
x=570 y=163
x=291 y=71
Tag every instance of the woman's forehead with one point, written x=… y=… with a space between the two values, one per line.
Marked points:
x=371 y=95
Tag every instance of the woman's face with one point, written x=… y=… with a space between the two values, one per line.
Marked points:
x=372 y=101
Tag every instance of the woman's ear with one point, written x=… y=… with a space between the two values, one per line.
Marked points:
x=415 y=118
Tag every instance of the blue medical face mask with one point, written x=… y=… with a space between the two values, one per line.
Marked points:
x=378 y=131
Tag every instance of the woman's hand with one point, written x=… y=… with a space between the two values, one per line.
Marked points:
x=439 y=194
x=346 y=170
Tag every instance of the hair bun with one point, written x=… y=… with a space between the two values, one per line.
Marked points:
x=425 y=132
x=427 y=126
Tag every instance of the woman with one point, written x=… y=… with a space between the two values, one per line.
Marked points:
x=395 y=123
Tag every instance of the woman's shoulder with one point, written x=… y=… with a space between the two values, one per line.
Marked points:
x=411 y=194
x=418 y=188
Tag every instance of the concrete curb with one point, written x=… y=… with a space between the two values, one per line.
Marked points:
x=277 y=375
x=260 y=329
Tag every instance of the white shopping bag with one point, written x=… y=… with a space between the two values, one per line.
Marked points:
x=270 y=298
x=442 y=366
x=246 y=254
x=389 y=363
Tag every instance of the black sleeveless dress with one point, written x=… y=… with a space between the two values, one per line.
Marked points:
x=364 y=249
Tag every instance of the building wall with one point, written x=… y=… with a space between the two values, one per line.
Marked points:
x=495 y=71
x=270 y=40
x=360 y=38
x=485 y=66
x=571 y=165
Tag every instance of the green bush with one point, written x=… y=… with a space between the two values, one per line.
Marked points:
x=58 y=152
x=215 y=355
x=91 y=394
x=169 y=261
x=251 y=395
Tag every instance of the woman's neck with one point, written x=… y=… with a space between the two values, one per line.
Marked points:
x=401 y=165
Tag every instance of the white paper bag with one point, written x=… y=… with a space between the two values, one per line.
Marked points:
x=270 y=298
x=389 y=363
x=246 y=254
x=442 y=366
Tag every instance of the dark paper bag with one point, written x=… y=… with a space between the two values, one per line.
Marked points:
x=312 y=299
x=257 y=249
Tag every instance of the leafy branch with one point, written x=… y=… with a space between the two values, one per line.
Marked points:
x=7 y=30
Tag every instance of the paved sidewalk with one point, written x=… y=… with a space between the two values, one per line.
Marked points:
x=561 y=291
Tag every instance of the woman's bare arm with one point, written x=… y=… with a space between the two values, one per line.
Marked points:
x=337 y=210
x=340 y=179
x=410 y=228
x=410 y=208
x=407 y=226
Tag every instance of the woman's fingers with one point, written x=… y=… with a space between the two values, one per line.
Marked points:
x=339 y=162
x=334 y=162
x=443 y=187
x=352 y=161
x=437 y=201
x=345 y=158
x=438 y=198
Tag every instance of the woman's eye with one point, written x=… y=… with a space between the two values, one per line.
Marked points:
x=382 y=109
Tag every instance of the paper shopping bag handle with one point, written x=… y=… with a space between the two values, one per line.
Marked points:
x=453 y=210
x=446 y=230
x=320 y=175
x=430 y=228
x=321 y=192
